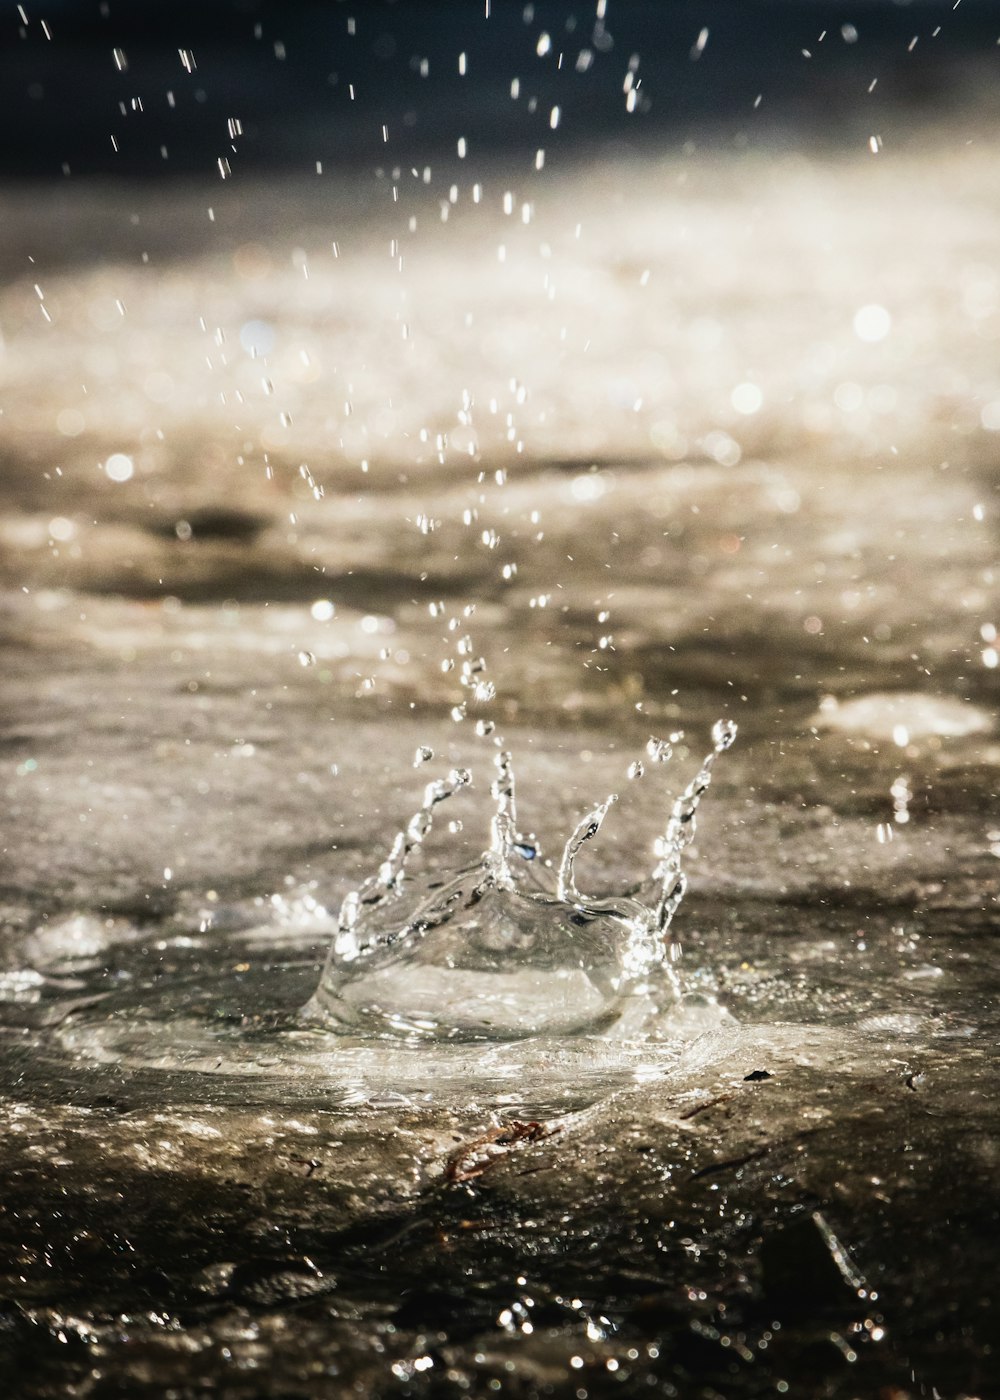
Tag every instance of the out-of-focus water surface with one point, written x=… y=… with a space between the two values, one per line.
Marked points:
x=667 y=436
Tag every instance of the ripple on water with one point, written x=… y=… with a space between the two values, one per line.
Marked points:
x=511 y=947
x=504 y=974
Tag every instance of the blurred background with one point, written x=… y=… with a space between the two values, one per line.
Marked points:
x=662 y=335
x=310 y=81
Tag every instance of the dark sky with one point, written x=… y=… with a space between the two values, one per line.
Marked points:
x=310 y=82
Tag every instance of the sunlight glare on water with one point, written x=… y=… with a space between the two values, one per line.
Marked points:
x=390 y=399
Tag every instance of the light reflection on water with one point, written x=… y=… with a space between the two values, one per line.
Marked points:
x=709 y=490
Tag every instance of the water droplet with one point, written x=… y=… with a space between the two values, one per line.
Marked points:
x=698 y=48
x=658 y=750
x=724 y=734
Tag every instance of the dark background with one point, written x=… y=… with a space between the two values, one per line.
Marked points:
x=284 y=71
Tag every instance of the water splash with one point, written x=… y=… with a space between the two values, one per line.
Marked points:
x=389 y=879
x=681 y=828
x=509 y=947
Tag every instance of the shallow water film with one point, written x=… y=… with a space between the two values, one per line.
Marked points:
x=428 y=435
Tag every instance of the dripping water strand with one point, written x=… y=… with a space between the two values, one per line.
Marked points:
x=585 y=830
x=390 y=874
x=681 y=828
x=503 y=828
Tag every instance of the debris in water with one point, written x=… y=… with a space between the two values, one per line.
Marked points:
x=474 y=1158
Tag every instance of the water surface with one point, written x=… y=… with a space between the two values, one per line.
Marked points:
x=230 y=568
